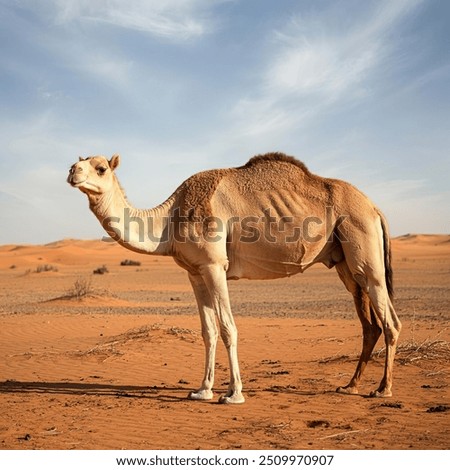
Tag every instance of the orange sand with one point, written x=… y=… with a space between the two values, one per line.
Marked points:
x=113 y=371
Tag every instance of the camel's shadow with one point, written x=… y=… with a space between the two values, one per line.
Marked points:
x=160 y=393
x=95 y=389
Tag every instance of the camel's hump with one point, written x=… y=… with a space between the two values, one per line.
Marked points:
x=272 y=159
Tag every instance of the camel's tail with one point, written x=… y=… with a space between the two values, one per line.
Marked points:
x=387 y=257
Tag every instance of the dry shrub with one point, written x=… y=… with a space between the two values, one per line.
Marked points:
x=408 y=352
x=101 y=270
x=413 y=350
x=44 y=268
x=130 y=262
x=81 y=288
x=431 y=349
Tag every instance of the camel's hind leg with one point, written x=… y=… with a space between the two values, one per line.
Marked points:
x=366 y=257
x=371 y=330
x=385 y=312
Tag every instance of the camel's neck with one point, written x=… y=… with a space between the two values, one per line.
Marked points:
x=140 y=230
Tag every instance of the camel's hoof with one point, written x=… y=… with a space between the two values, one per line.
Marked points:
x=233 y=399
x=201 y=395
x=347 y=390
x=382 y=394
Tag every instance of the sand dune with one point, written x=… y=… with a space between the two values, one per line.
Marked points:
x=423 y=239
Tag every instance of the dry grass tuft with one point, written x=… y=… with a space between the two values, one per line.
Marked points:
x=45 y=268
x=142 y=333
x=81 y=288
x=430 y=349
x=408 y=352
x=412 y=351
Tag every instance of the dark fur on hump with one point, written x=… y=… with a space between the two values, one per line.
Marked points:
x=275 y=157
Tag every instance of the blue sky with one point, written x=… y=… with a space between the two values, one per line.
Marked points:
x=358 y=90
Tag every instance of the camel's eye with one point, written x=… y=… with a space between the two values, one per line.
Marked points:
x=101 y=170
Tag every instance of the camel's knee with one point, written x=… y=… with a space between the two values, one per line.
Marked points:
x=393 y=325
x=391 y=334
x=396 y=323
x=210 y=336
x=228 y=333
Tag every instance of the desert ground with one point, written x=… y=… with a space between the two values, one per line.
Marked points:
x=106 y=361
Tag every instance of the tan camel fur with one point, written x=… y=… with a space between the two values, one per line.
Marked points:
x=268 y=219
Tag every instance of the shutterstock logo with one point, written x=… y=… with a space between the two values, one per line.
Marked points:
x=188 y=227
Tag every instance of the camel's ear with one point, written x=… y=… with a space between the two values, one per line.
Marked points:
x=114 y=162
x=80 y=159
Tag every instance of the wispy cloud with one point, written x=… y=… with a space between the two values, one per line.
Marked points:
x=76 y=43
x=318 y=56
x=316 y=63
x=178 y=20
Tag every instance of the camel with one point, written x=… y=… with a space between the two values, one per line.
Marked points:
x=267 y=219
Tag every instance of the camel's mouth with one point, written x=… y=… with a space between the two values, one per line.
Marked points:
x=75 y=180
x=82 y=184
x=73 y=183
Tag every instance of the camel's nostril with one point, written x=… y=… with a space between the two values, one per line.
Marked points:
x=75 y=169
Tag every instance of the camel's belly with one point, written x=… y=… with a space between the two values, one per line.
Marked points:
x=264 y=262
x=268 y=271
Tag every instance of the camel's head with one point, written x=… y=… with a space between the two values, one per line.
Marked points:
x=93 y=175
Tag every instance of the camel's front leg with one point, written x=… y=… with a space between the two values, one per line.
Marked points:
x=209 y=334
x=216 y=282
